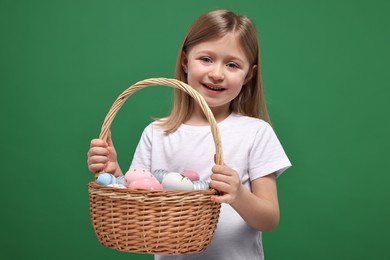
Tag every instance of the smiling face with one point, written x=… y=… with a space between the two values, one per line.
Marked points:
x=217 y=69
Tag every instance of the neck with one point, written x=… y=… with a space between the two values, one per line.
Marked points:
x=198 y=118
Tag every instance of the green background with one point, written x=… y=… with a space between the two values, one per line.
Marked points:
x=325 y=68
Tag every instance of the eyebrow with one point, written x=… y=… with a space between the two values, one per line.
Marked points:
x=230 y=57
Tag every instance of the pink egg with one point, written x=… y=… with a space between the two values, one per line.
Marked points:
x=135 y=174
x=146 y=184
x=192 y=175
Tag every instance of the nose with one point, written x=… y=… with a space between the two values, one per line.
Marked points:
x=216 y=72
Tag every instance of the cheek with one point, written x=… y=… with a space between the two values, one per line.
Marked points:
x=195 y=73
x=236 y=91
x=237 y=80
x=236 y=84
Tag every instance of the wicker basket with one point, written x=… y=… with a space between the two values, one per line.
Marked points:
x=155 y=222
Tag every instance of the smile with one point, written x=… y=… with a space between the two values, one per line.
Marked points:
x=213 y=87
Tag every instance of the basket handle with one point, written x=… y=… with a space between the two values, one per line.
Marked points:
x=170 y=83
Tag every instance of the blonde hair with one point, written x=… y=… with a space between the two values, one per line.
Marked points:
x=215 y=24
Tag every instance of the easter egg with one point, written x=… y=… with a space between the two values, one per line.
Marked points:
x=201 y=185
x=176 y=181
x=106 y=179
x=121 y=180
x=149 y=183
x=135 y=174
x=190 y=174
x=117 y=185
x=159 y=174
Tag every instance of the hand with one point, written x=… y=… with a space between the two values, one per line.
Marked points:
x=102 y=156
x=227 y=181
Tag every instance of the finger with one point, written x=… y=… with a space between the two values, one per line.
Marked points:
x=220 y=186
x=98 y=159
x=98 y=151
x=221 y=198
x=222 y=169
x=95 y=168
x=109 y=139
x=98 y=143
x=220 y=177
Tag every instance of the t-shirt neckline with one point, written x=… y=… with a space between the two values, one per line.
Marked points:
x=206 y=127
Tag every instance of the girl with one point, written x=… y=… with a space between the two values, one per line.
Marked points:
x=219 y=57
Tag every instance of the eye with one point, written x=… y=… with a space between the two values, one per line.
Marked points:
x=232 y=65
x=206 y=59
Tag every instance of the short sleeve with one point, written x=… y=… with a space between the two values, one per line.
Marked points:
x=267 y=154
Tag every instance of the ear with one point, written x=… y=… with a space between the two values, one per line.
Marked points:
x=252 y=71
x=184 y=61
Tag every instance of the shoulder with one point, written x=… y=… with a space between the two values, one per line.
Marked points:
x=155 y=125
x=152 y=129
x=250 y=128
x=247 y=122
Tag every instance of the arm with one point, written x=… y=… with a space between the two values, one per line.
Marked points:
x=259 y=208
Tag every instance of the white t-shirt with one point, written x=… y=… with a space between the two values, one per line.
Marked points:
x=249 y=146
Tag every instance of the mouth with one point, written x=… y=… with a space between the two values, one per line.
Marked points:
x=213 y=87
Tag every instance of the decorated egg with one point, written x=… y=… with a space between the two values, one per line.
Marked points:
x=159 y=174
x=176 y=181
x=117 y=185
x=121 y=180
x=201 y=185
x=106 y=179
x=149 y=183
x=135 y=174
x=190 y=174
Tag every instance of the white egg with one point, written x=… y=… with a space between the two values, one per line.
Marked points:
x=117 y=185
x=176 y=181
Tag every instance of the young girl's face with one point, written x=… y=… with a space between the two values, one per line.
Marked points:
x=217 y=69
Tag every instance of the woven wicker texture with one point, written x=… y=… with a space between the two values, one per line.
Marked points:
x=155 y=222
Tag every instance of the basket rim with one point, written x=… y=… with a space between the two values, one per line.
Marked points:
x=94 y=185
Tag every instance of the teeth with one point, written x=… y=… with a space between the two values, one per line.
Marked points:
x=213 y=88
